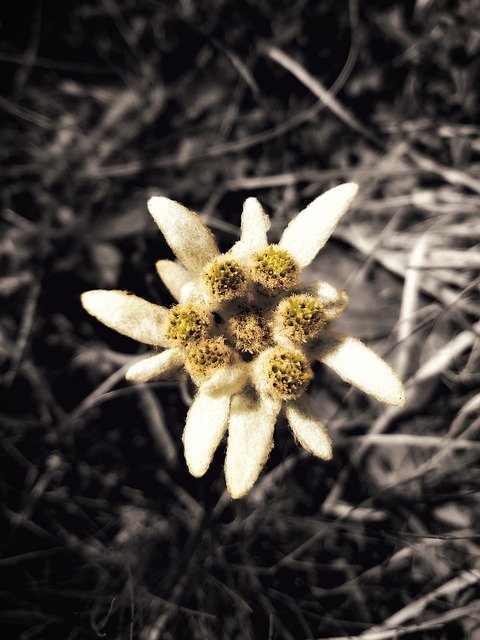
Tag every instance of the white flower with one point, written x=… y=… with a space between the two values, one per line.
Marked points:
x=247 y=330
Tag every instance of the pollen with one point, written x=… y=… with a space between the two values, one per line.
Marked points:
x=288 y=373
x=187 y=323
x=249 y=331
x=224 y=279
x=274 y=269
x=208 y=355
x=300 y=317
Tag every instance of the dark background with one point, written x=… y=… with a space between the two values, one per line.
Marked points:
x=106 y=103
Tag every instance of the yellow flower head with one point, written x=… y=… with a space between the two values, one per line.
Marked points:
x=287 y=373
x=186 y=324
x=224 y=279
x=274 y=270
x=207 y=356
x=300 y=317
x=247 y=331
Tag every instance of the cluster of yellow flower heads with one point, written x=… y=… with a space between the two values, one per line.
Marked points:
x=247 y=331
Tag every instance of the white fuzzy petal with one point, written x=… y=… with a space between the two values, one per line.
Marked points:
x=206 y=424
x=333 y=300
x=157 y=366
x=258 y=370
x=311 y=228
x=127 y=314
x=310 y=433
x=254 y=226
x=227 y=380
x=355 y=363
x=189 y=239
x=192 y=292
x=250 y=440
x=174 y=276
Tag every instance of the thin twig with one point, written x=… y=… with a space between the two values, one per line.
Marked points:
x=324 y=95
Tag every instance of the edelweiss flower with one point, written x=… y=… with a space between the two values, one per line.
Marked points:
x=247 y=331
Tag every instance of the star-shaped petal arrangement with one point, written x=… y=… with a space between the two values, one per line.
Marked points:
x=247 y=330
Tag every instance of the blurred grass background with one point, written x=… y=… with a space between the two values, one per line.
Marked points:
x=105 y=103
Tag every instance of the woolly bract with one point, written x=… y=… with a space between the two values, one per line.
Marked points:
x=247 y=331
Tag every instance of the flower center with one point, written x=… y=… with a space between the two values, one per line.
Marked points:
x=300 y=317
x=249 y=331
x=224 y=279
x=207 y=355
x=187 y=323
x=288 y=373
x=274 y=269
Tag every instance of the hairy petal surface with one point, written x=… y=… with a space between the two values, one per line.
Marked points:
x=311 y=228
x=206 y=424
x=227 y=380
x=189 y=239
x=333 y=300
x=160 y=365
x=310 y=433
x=355 y=363
x=250 y=440
x=174 y=277
x=128 y=314
x=254 y=226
